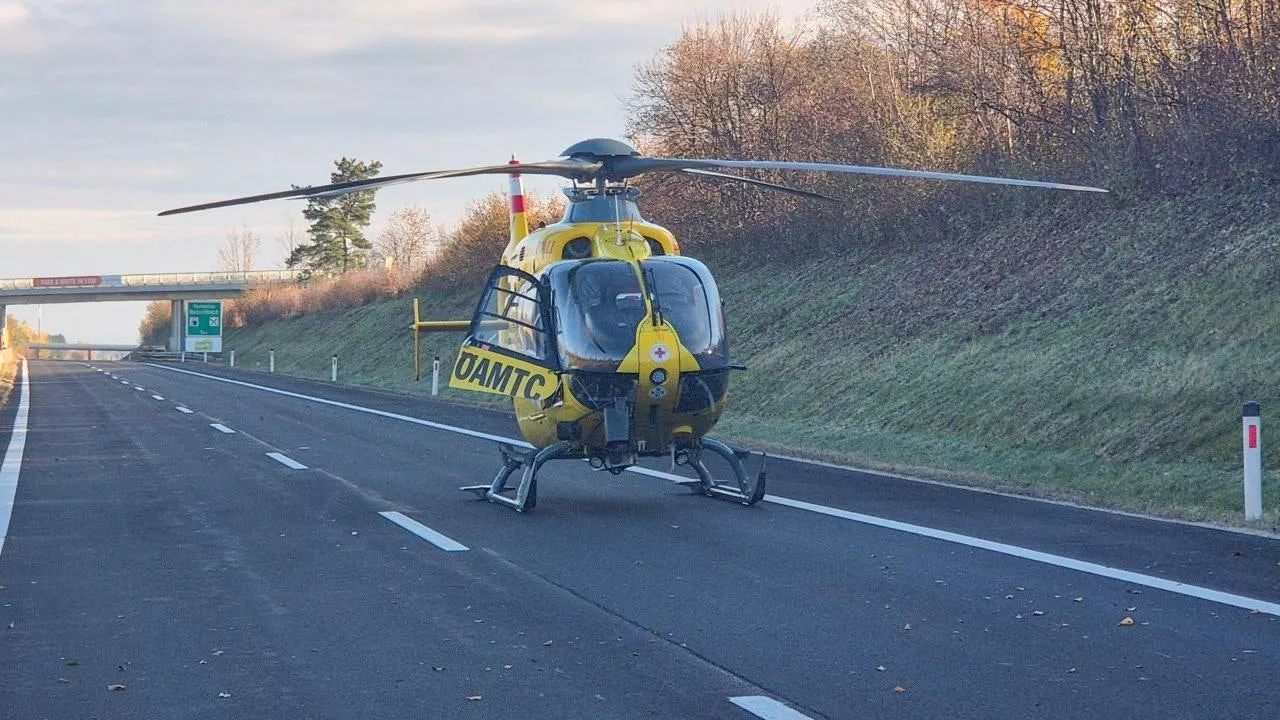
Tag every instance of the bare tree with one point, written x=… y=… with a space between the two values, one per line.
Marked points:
x=289 y=238
x=409 y=239
x=240 y=250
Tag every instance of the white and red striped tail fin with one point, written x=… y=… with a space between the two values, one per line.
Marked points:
x=519 y=219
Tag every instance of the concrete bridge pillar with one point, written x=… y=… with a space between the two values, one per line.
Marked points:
x=176 y=326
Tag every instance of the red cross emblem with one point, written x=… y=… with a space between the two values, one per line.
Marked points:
x=659 y=352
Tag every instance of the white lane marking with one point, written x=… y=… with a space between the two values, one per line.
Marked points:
x=1028 y=498
x=1013 y=550
x=11 y=467
x=222 y=428
x=157 y=397
x=767 y=708
x=444 y=543
x=183 y=410
x=140 y=388
x=286 y=460
x=1041 y=557
x=357 y=408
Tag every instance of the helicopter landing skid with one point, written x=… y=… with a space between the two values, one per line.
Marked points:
x=526 y=493
x=746 y=492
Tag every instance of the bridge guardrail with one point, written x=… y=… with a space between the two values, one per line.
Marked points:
x=247 y=277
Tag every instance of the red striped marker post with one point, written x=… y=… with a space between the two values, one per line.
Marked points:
x=1252 y=461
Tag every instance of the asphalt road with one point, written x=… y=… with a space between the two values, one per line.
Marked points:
x=149 y=549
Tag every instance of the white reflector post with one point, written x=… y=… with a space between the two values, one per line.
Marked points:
x=1252 y=461
x=435 y=376
x=271 y=358
x=333 y=370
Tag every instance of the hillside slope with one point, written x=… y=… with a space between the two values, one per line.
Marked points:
x=1098 y=355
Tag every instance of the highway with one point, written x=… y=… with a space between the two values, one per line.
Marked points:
x=238 y=545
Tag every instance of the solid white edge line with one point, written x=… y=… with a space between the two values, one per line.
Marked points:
x=767 y=708
x=183 y=410
x=1127 y=576
x=1012 y=550
x=286 y=461
x=11 y=466
x=441 y=541
x=1028 y=498
x=157 y=397
x=222 y=428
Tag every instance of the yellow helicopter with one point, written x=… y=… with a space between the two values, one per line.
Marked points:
x=610 y=343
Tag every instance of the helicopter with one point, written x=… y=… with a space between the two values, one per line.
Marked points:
x=610 y=343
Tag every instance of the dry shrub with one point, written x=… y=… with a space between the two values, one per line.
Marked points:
x=349 y=290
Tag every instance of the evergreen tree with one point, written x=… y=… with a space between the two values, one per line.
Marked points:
x=337 y=225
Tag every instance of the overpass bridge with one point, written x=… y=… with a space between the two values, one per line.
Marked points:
x=86 y=347
x=175 y=287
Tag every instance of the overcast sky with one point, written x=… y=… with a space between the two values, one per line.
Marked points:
x=111 y=110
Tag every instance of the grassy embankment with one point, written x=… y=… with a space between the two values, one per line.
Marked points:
x=1097 y=356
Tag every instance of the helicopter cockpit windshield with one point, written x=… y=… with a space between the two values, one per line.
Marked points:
x=599 y=304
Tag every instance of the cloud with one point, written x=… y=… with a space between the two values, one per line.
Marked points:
x=13 y=13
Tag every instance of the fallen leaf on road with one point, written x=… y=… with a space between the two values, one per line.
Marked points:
x=880 y=668
x=224 y=695
x=73 y=662
x=907 y=626
x=1126 y=622
x=436 y=668
x=506 y=667
x=1071 y=671
x=216 y=653
x=547 y=642
x=1079 y=599
x=1037 y=612
x=115 y=688
x=475 y=697
x=64 y=681
x=899 y=689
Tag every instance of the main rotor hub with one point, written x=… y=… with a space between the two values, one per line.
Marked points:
x=598 y=148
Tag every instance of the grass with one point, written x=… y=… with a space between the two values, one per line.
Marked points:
x=1100 y=357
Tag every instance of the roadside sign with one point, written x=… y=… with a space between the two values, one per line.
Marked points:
x=204 y=327
x=68 y=281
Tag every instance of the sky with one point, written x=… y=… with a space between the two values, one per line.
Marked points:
x=112 y=110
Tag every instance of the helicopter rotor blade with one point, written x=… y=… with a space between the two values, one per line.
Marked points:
x=574 y=168
x=761 y=183
x=635 y=166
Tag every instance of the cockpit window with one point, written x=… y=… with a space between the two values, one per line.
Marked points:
x=686 y=296
x=598 y=306
x=600 y=303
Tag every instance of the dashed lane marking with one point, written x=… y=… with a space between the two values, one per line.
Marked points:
x=767 y=708
x=443 y=542
x=186 y=411
x=286 y=461
x=222 y=428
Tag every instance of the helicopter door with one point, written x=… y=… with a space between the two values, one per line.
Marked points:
x=509 y=349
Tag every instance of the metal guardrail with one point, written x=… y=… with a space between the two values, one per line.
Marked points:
x=248 y=277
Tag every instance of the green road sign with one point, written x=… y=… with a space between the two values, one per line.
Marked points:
x=204 y=327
